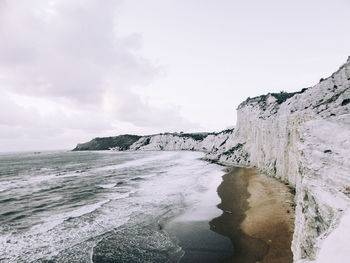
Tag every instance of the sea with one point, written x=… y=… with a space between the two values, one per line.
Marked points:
x=65 y=206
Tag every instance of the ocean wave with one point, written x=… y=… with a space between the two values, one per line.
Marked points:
x=83 y=206
x=107 y=186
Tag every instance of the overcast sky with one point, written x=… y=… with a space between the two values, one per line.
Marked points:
x=74 y=70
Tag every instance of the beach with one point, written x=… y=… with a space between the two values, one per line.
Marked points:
x=254 y=224
x=258 y=217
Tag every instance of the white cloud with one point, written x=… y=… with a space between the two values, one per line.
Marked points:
x=69 y=52
x=20 y=117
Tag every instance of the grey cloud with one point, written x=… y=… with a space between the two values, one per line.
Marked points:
x=144 y=115
x=23 y=120
x=70 y=52
x=67 y=49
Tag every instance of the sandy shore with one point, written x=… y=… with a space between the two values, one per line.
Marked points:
x=258 y=217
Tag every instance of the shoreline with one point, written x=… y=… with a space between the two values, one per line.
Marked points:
x=258 y=217
x=191 y=229
x=254 y=223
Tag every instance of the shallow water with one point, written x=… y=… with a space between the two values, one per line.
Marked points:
x=97 y=206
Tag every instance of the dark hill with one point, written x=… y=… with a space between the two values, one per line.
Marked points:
x=105 y=143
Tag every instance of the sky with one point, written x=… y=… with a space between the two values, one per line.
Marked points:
x=74 y=70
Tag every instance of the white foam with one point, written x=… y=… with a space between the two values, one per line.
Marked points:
x=54 y=220
x=191 y=182
x=157 y=156
x=33 y=245
x=5 y=186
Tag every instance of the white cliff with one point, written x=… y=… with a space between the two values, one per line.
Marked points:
x=175 y=142
x=302 y=139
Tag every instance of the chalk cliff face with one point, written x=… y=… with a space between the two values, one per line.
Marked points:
x=173 y=142
x=303 y=141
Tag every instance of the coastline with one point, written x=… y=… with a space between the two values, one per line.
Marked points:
x=254 y=222
x=258 y=217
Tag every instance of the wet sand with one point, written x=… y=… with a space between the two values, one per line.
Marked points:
x=257 y=216
x=256 y=222
x=191 y=230
x=199 y=243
